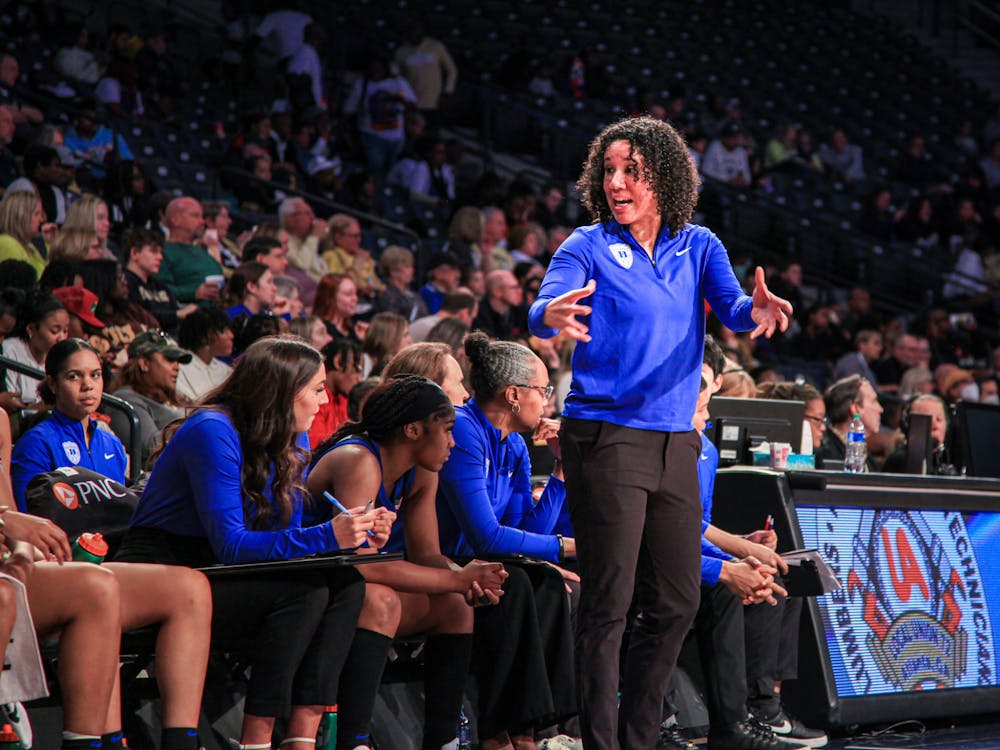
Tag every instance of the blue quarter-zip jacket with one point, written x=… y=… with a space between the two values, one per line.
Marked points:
x=643 y=367
x=711 y=556
x=196 y=490
x=59 y=441
x=484 y=501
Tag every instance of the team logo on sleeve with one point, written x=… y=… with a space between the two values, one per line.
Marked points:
x=72 y=451
x=622 y=254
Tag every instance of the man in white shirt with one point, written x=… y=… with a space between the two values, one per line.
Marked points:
x=429 y=68
x=306 y=62
x=726 y=159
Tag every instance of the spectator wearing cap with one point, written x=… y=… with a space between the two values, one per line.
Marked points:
x=45 y=175
x=460 y=305
x=144 y=250
x=207 y=334
x=959 y=385
x=444 y=276
x=347 y=256
x=93 y=143
x=726 y=158
x=188 y=270
x=397 y=265
x=501 y=313
x=149 y=383
x=81 y=304
x=324 y=176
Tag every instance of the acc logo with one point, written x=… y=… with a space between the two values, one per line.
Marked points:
x=72 y=451
x=622 y=253
x=917 y=598
x=66 y=495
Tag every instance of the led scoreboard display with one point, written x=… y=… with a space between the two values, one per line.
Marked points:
x=920 y=603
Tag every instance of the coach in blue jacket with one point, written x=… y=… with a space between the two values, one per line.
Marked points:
x=629 y=447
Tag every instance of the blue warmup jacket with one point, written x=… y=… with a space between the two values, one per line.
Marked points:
x=484 y=501
x=711 y=556
x=643 y=367
x=59 y=441
x=196 y=490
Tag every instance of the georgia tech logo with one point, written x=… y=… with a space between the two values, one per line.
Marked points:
x=913 y=614
x=622 y=253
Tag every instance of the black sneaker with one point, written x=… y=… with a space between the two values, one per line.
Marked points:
x=789 y=728
x=747 y=735
x=671 y=738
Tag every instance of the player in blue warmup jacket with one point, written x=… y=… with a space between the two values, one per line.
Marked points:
x=226 y=489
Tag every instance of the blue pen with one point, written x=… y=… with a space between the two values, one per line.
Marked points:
x=339 y=506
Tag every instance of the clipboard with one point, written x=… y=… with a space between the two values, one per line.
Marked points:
x=808 y=574
x=315 y=562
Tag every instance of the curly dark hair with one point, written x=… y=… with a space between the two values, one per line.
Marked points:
x=667 y=167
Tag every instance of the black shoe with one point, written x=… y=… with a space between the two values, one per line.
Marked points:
x=747 y=735
x=789 y=728
x=671 y=738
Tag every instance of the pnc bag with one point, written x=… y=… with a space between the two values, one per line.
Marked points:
x=79 y=500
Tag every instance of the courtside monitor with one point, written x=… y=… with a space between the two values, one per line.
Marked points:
x=914 y=631
x=761 y=419
x=978 y=426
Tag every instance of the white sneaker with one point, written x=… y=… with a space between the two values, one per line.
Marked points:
x=15 y=715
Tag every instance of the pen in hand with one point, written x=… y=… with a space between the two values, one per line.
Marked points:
x=339 y=506
x=768 y=523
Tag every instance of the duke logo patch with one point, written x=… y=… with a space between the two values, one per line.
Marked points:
x=622 y=253
x=72 y=451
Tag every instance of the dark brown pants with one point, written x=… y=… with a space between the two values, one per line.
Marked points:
x=636 y=512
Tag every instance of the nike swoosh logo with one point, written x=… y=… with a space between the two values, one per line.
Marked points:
x=108 y=456
x=679 y=253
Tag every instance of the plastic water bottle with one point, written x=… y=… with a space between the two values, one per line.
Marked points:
x=90 y=548
x=856 y=452
x=464 y=731
x=326 y=737
x=9 y=739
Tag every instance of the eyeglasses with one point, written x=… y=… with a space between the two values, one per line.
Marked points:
x=545 y=390
x=817 y=420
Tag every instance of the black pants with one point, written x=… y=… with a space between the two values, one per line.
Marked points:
x=772 y=646
x=523 y=653
x=296 y=628
x=635 y=507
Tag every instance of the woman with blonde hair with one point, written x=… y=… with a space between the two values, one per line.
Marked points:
x=21 y=218
x=90 y=212
x=77 y=244
x=387 y=334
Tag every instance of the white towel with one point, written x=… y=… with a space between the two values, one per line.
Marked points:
x=25 y=680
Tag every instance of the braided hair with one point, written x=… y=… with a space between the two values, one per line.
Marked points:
x=394 y=404
x=497 y=364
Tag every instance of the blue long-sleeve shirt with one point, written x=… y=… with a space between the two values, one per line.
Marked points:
x=484 y=501
x=59 y=441
x=643 y=367
x=711 y=556
x=196 y=490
